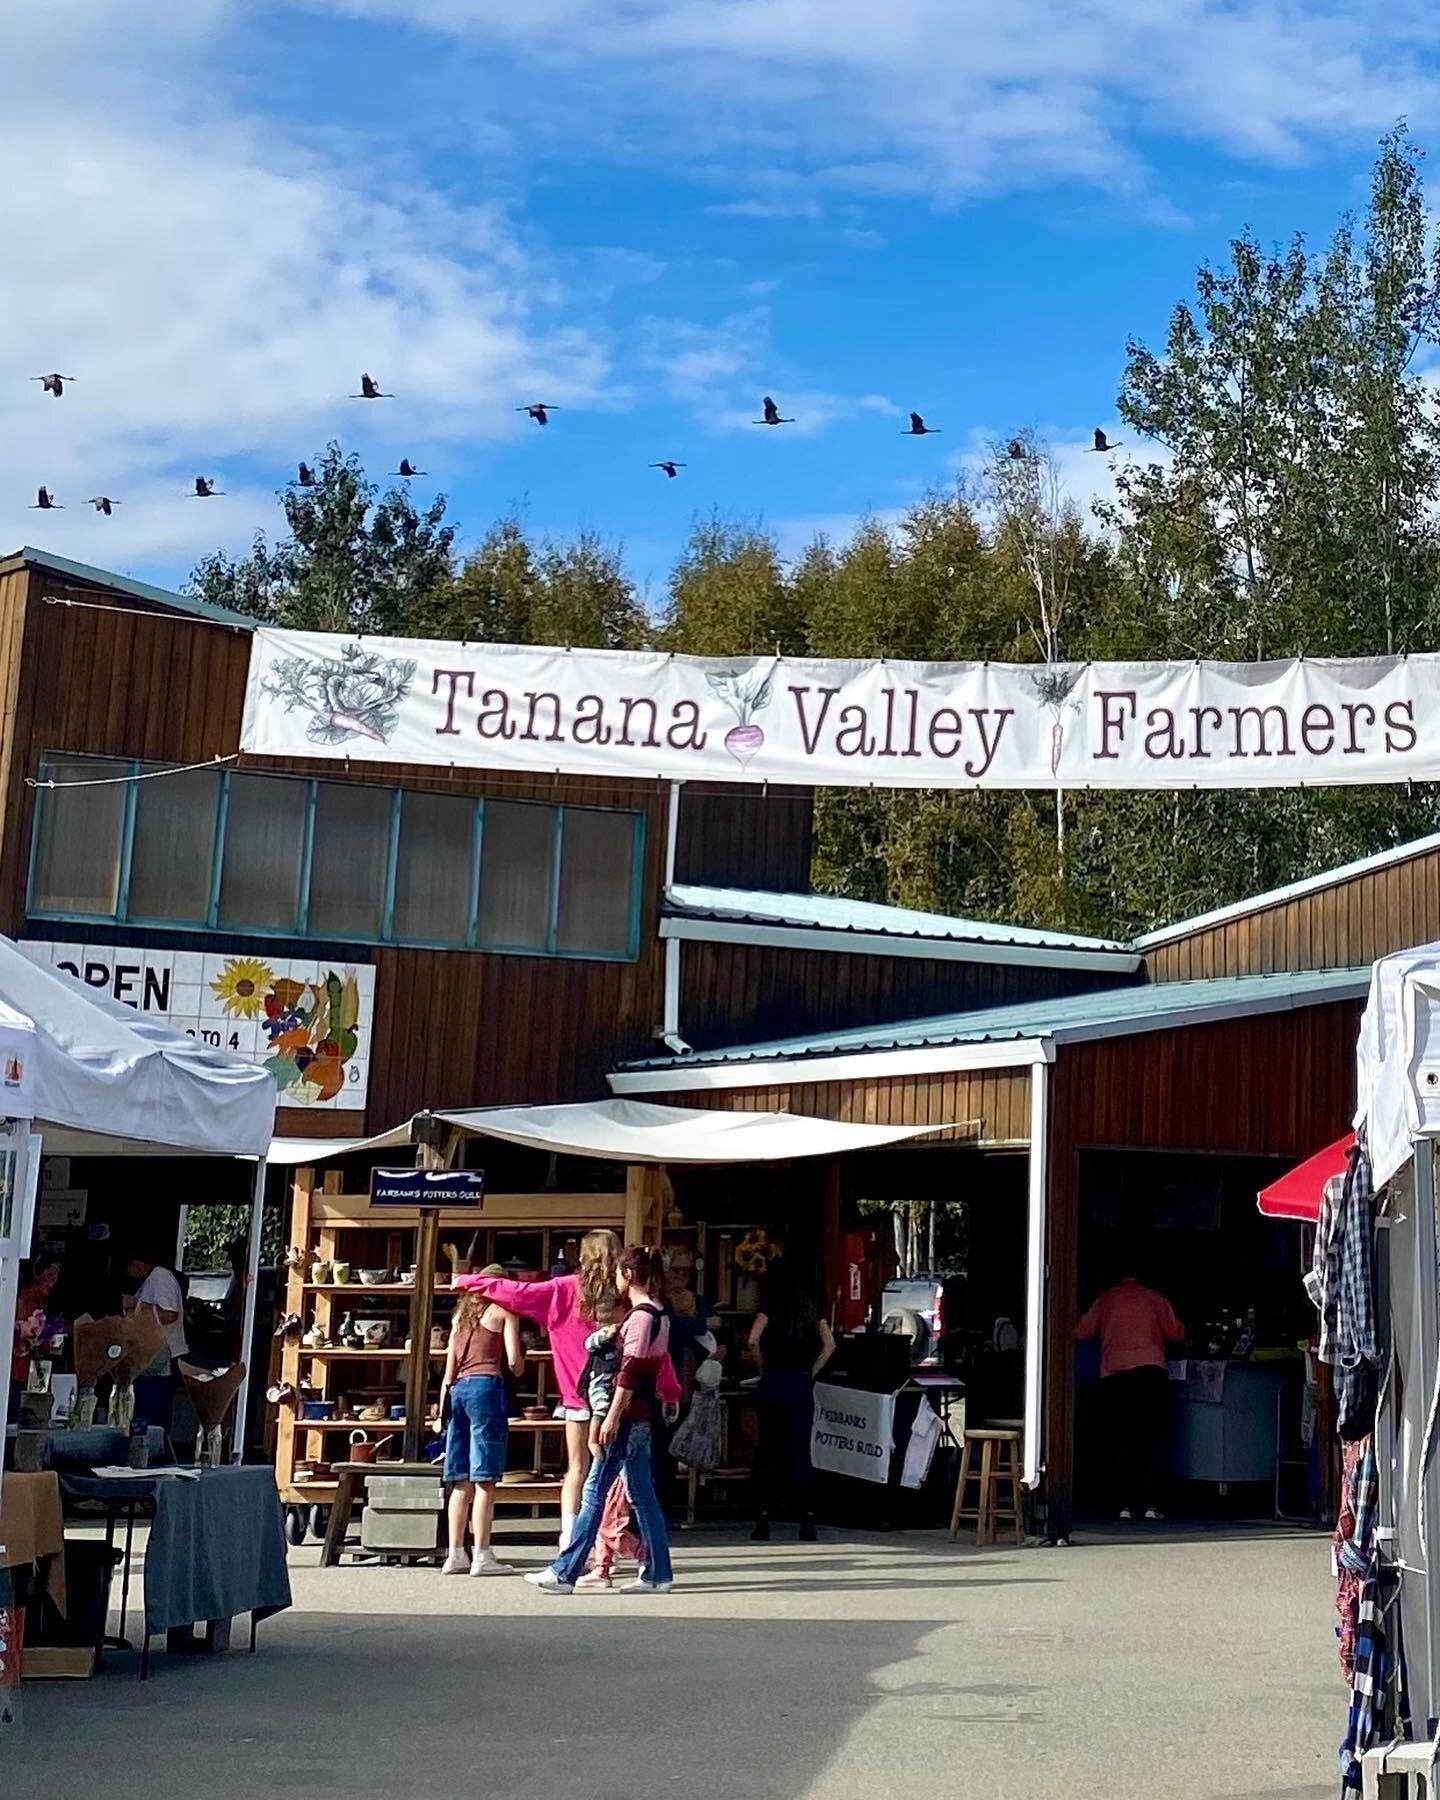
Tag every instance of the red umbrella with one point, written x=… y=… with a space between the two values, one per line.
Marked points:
x=1297 y=1194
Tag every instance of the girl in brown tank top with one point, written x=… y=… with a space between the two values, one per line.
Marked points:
x=484 y=1338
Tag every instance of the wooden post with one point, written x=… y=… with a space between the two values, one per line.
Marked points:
x=298 y=1227
x=644 y=1203
x=422 y=1308
x=832 y=1261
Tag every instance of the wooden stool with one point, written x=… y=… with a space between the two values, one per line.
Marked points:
x=999 y=1468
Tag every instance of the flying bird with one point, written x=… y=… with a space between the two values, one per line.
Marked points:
x=407 y=468
x=772 y=414
x=670 y=467
x=53 y=384
x=43 y=502
x=370 y=390
x=206 y=490
x=305 y=476
x=918 y=427
x=1102 y=442
x=102 y=504
x=540 y=412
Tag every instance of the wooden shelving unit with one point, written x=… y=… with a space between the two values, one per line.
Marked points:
x=327 y=1223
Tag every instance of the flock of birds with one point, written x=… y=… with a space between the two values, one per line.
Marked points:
x=540 y=410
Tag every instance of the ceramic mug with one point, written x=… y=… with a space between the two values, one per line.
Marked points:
x=397 y=1412
x=340 y=1274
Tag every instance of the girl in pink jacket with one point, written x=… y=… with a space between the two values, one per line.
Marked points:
x=568 y=1308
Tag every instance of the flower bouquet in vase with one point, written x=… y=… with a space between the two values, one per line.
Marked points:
x=212 y=1393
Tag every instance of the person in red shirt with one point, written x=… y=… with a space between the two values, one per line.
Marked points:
x=1135 y=1326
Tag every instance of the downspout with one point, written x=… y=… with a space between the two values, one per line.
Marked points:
x=669 y=1033
x=1039 y=1187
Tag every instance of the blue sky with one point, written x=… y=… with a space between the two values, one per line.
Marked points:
x=649 y=212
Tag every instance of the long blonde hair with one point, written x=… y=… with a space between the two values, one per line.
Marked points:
x=599 y=1254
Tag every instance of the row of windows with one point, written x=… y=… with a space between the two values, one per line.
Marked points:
x=222 y=850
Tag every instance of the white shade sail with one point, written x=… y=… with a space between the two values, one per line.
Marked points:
x=74 y=1057
x=633 y=1131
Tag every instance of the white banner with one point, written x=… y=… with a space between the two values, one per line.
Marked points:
x=853 y=1433
x=844 y=724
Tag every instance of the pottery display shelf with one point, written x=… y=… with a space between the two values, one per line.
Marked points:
x=327 y=1226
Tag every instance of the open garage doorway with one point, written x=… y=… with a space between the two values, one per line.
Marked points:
x=1241 y=1411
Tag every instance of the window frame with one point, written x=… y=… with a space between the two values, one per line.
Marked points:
x=125 y=766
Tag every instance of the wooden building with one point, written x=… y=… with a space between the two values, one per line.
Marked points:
x=470 y=937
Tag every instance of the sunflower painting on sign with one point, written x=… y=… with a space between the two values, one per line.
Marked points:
x=312 y=1026
x=306 y=1018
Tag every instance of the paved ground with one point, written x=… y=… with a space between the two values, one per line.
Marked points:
x=1177 y=1668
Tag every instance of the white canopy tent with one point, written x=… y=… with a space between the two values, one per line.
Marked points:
x=84 y=1073
x=633 y=1131
x=1398 y=1113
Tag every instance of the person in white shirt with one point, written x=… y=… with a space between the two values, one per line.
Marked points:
x=161 y=1293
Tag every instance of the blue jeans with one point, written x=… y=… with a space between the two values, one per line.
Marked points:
x=479 y=1430
x=629 y=1452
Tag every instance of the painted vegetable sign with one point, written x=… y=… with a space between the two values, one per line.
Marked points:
x=745 y=695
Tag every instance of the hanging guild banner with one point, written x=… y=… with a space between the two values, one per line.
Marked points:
x=853 y=1432
x=844 y=724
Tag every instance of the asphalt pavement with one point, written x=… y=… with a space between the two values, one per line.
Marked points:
x=1182 y=1665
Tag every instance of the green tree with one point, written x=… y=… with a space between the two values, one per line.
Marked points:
x=352 y=560
x=729 y=596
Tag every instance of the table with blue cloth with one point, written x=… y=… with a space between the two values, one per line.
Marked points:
x=216 y=1548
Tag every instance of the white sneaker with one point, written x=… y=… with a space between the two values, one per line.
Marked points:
x=488 y=1563
x=647 y=1587
x=549 y=1582
x=1126 y=1514
x=456 y=1563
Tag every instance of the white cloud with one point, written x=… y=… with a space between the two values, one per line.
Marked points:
x=724 y=371
x=216 y=286
x=950 y=96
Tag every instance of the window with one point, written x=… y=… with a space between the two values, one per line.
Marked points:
x=264 y=852
x=435 y=870
x=349 y=860
x=517 y=862
x=80 y=834
x=172 y=862
x=597 y=879
x=289 y=856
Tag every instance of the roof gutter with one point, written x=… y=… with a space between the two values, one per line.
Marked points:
x=874 y=943
x=928 y=1059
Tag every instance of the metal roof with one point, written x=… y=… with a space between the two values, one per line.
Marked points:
x=138 y=590
x=1073 y=1018
x=786 y=918
x=1294 y=890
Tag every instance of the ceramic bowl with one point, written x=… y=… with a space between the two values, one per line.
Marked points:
x=374 y=1333
x=374 y=1277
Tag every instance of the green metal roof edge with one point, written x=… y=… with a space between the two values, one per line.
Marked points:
x=1079 y=1016
x=124 y=584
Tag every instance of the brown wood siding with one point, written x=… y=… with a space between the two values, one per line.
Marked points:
x=997 y=1100
x=745 y=836
x=14 y=616
x=752 y=993
x=452 y=1027
x=1278 y=1084
x=1340 y=927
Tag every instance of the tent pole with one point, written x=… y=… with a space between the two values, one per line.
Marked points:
x=247 y=1311
x=1039 y=1185
x=14 y=1245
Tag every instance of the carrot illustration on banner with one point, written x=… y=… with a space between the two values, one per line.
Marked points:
x=745 y=695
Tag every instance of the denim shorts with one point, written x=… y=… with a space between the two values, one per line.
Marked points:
x=479 y=1430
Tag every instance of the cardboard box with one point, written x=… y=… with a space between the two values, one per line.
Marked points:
x=58 y=1662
